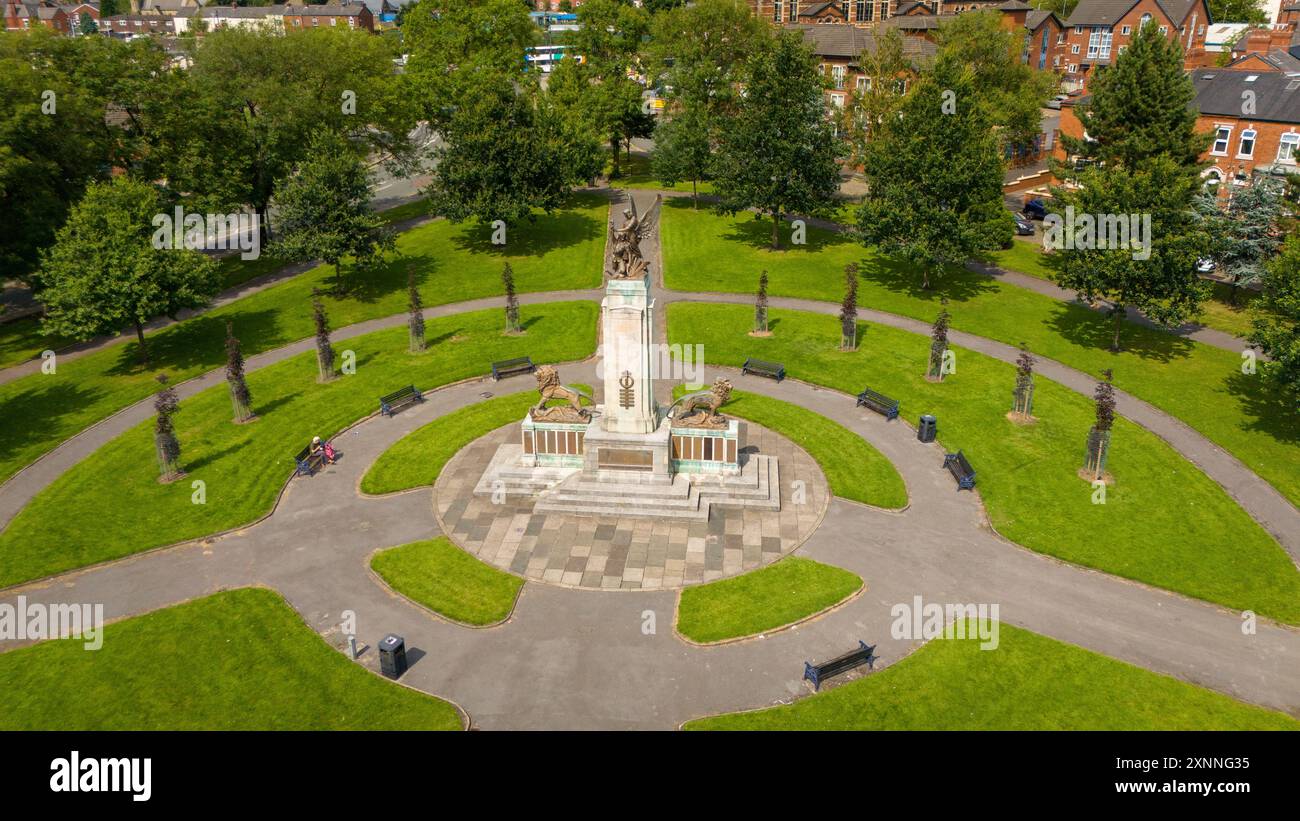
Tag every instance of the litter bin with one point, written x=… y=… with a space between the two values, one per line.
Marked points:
x=392 y=656
x=928 y=427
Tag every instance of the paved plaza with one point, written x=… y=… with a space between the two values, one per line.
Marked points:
x=628 y=552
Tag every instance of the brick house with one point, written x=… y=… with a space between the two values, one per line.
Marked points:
x=839 y=50
x=352 y=15
x=1098 y=30
x=1045 y=42
x=127 y=25
x=24 y=16
x=1254 y=117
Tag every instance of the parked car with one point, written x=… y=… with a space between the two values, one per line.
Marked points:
x=1205 y=265
x=1035 y=209
x=1024 y=226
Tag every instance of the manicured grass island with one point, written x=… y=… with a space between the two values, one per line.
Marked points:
x=1201 y=385
x=782 y=593
x=1164 y=522
x=854 y=469
x=111 y=504
x=1030 y=682
x=417 y=459
x=448 y=581
x=452 y=263
x=238 y=660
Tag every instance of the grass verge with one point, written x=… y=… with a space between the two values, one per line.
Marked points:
x=1030 y=682
x=448 y=581
x=238 y=660
x=774 y=596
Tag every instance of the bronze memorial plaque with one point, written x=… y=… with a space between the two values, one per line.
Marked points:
x=619 y=459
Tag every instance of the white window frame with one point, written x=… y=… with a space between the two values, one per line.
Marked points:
x=1292 y=139
x=1078 y=29
x=1222 y=134
x=1247 y=134
x=1074 y=48
x=1099 y=43
x=1164 y=30
x=839 y=76
x=1127 y=30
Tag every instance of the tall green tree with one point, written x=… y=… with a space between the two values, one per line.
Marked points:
x=1011 y=91
x=247 y=110
x=1252 y=234
x=934 y=177
x=106 y=270
x=1141 y=107
x=1155 y=274
x=599 y=89
x=507 y=151
x=52 y=145
x=887 y=67
x=1276 y=320
x=684 y=150
x=778 y=154
x=324 y=209
x=1237 y=11
x=454 y=43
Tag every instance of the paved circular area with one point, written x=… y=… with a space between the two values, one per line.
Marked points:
x=628 y=552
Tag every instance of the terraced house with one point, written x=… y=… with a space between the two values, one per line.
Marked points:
x=1099 y=30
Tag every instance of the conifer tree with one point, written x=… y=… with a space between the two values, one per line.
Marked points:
x=166 y=444
x=512 y=301
x=240 y=396
x=324 y=350
x=415 y=322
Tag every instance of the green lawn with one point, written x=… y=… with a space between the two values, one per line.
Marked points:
x=239 y=660
x=416 y=459
x=1164 y=522
x=1030 y=682
x=448 y=581
x=244 y=466
x=1201 y=385
x=452 y=263
x=854 y=469
x=636 y=172
x=1025 y=256
x=782 y=593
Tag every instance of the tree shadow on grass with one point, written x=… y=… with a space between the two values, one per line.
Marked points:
x=902 y=277
x=198 y=343
x=370 y=285
x=546 y=233
x=756 y=232
x=1267 y=407
x=39 y=406
x=1093 y=329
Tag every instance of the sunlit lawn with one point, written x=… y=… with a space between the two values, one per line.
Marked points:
x=448 y=581
x=1163 y=521
x=1199 y=384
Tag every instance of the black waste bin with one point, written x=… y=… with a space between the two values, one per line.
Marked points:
x=928 y=427
x=392 y=656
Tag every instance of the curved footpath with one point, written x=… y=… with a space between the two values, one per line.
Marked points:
x=582 y=654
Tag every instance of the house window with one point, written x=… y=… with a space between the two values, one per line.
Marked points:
x=776 y=11
x=1221 y=135
x=1200 y=31
x=862 y=10
x=1056 y=61
x=864 y=84
x=1164 y=30
x=1074 y=48
x=1099 y=44
x=1060 y=39
x=1286 y=150
x=1078 y=29
x=1246 y=148
x=1146 y=18
x=1127 y=30
x=837 y=77
x=794 y=10
x=1073 y=68
x=837 y=100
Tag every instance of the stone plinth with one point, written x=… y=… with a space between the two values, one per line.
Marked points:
x=708 y=450
x=552 y=444
x=625 y=457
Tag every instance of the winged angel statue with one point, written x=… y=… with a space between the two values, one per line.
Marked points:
x=625 y=240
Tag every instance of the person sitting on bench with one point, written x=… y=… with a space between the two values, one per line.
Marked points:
x=323 y=451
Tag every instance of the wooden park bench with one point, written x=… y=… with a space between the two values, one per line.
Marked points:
x=759 y=367
x=817 y=673
x=395 y=401
x=510 y=367
x=307 y=461
x=960 y=470
x=879 y=403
